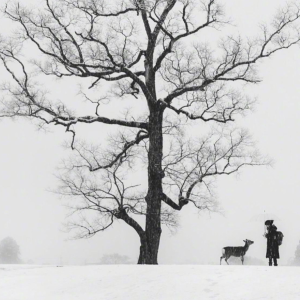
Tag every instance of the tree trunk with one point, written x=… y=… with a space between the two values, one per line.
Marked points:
x=150 y=241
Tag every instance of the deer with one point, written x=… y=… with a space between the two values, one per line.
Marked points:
x=235 y=251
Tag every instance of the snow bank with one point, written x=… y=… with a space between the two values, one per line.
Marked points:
x=149 y=282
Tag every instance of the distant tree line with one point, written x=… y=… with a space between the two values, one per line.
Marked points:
x=115 y=259
x=9 y=251
x=296 y=260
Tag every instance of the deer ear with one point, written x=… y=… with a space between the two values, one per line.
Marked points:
x=244 y=241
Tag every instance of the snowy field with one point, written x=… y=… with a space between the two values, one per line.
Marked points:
x=162 y=282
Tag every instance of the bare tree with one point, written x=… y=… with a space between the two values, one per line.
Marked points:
x=141 y=52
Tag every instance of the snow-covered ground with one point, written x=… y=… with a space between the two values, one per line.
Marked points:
x=161 y=282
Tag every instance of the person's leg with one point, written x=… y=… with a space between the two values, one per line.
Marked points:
x=275 y=262
x=270 y=261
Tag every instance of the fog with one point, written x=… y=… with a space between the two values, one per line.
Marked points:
x=33 y=215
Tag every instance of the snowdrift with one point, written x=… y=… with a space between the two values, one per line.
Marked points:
x=163 y=282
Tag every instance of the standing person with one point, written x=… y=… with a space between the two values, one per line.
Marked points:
x=272 y=242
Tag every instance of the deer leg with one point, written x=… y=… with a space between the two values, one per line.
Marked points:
x=221 y=260
x=242 y=258
x=226 y=260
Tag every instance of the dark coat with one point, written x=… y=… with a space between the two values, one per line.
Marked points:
x=272 y=244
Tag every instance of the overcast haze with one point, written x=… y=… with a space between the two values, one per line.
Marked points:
x=33 y=216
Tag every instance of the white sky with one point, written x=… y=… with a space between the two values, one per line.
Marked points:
x=33 y=216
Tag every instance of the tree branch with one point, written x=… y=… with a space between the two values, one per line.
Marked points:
x=181 y=202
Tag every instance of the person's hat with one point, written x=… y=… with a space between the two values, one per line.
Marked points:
x=269 y=222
